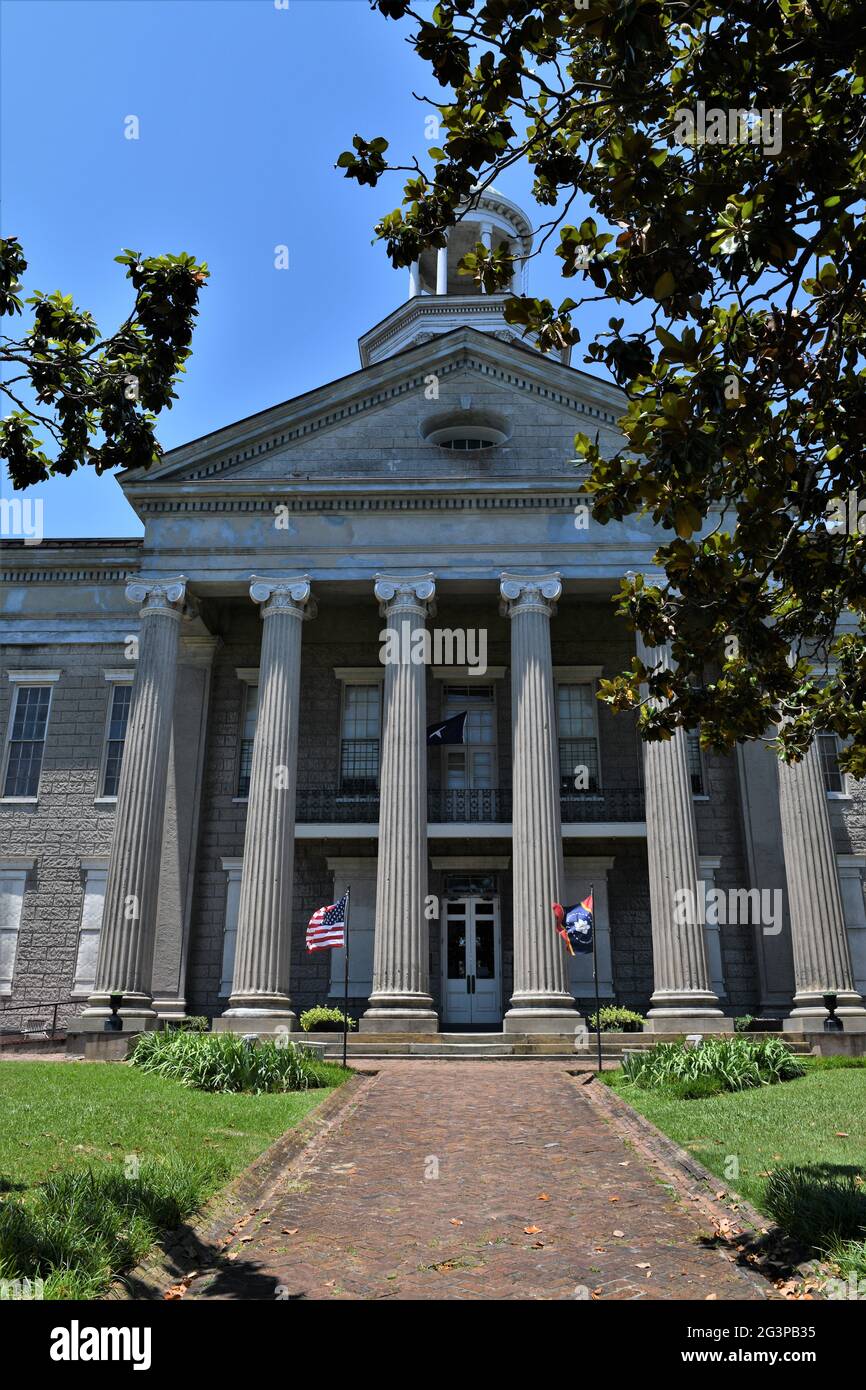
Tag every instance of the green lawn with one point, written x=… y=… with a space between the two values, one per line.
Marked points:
x=56 y=1116
x=97 y=1161
x=818 y=1119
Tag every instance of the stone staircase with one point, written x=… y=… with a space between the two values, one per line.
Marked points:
x=491 y=1047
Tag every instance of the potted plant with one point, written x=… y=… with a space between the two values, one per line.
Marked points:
x=322 y=1019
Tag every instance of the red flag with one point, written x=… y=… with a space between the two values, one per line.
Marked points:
x=559 y=914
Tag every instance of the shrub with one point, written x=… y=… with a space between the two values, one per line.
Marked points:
x=616 y=1020
x=820 y=1206
x=741 y=1024
x=737 y=1063
x=228 y=1062
x=82 y=1228
x=697 y=1088
x=322 y=1016
x=193 y=1023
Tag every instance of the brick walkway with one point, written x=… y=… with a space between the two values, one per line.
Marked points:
x=361 y=1214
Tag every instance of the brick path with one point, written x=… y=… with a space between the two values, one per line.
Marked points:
x=361 y=1216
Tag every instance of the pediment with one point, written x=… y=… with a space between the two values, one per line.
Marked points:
x=373 y=424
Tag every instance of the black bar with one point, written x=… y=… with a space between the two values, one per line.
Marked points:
x=346 y=979
x=595 y=978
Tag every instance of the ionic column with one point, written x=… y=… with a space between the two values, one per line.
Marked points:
x=682 y=992
x=541 y=1002
x=486 y=240
x=442 y=270
x=401 y=1001
x=260 y=991
x=822 y=961
x=125 y=962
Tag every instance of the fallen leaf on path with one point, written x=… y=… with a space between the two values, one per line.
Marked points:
x=455 y=1222
x=619 y=1234
x=532 y=1230
x=290 y=1230
x=176 y=1291
x=543 y=1197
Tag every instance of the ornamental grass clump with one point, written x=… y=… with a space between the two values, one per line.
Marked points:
x=79 y=1230
x=823 y=1206
x=731 y=1064
x=227 y=1062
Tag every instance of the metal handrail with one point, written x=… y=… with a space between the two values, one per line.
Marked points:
x=494 y=805
x=53 y=1004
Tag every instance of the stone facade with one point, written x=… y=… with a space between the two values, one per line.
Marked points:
x=350 y=482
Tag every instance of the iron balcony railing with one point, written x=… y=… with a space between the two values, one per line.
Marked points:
x=476 y=805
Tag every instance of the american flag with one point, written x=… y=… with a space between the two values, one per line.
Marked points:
x=327 y=926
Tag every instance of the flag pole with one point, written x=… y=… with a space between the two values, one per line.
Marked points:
x=595 y=975
x=346 y=982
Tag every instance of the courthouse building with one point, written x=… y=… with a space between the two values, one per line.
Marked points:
x=202 y=744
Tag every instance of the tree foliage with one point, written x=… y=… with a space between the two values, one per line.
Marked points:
x=96 y=399
x=736 y=245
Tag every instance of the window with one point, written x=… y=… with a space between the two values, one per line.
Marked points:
x=695 y=761
x=828 y=751
x=464 y=436
x=359 y=742
x=13 y=884
x=233 y=870
x=27 y=740
x=248 y=734
x=115 y=735
x=473 y=765
x=578 y=738
x=95 y=874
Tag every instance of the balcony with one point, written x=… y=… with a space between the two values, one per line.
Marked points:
x=476 y=806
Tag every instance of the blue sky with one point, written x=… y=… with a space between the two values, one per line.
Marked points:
x=243 y=109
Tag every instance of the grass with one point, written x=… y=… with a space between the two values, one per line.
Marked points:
x=796 y=1151
x=96 y=1160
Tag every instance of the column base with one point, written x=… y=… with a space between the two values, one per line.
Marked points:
x=678 y=1011
x=564 y=1022
x=133 y=1006
x=687 y=1021
x=244 y=1018
x=809 y=1012
x=170 y=1008
x=399 y=1013
x=542 y=1013
x=94 y=1024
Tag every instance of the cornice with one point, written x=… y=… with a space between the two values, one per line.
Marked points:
x=104 y=574
x=547 y=500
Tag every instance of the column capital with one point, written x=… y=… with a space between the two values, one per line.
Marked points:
x=414 y=592
x=529 y=593
x=166 y=595
x=294 y=596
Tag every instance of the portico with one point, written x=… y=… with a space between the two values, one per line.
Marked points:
x=272 y=748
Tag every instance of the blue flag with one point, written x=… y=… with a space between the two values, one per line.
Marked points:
x=578 y=926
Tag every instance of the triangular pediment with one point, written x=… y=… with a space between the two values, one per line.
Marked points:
x=374 y=424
